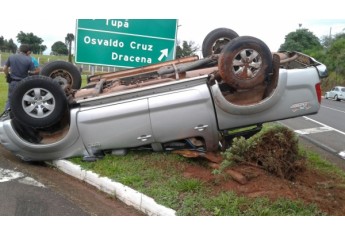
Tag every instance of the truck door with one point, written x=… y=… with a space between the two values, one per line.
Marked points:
x=117 y=125
x=183 y=114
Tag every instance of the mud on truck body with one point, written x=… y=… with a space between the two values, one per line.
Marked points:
x=187 y=103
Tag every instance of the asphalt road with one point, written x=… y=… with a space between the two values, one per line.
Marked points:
x=35 y=189
x=326 y=129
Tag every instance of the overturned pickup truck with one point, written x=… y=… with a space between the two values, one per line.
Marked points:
x=184 y=104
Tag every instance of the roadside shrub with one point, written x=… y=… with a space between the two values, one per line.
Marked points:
x=274 y=149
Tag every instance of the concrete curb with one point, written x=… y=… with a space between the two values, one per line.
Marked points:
x=124 y=193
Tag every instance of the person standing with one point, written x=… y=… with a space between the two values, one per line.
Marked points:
x=36 y=71
x=16 y=68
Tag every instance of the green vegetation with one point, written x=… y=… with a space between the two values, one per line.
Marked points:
x=320 y=164
x=43 y=59
x=69 y=39
x=160 y=176
x=275 y=149
x=300 y=40
x=3 y=92
x=330 y=50
x=186 y=49
x=59 y=48
x=34 y=41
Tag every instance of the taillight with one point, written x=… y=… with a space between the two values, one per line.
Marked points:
x=318 y=91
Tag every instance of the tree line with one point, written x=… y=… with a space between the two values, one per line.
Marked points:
x=23 y=38
x=7 y=45
x=36 y=44
x=329 y=49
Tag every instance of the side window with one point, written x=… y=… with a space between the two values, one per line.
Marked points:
x=343 y=89
x=336 y=89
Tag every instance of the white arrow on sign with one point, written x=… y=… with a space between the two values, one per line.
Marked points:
x=164 y=54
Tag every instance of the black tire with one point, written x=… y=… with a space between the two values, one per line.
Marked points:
x=336 y=98
x=245 y=62
x=38 y=102
x=215 y=41
x=65 y=70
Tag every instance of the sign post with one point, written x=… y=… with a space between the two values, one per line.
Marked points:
x=125 y=43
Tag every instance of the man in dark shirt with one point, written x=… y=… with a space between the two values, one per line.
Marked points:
x=16 y=68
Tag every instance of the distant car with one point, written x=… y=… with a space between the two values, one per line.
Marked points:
x=337 y=93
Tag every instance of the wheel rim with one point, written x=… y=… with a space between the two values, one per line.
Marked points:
x=246 y=64
x=38 y=103
x=64 y=74
x=219 y=45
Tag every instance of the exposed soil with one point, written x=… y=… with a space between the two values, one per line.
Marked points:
x=325 y=190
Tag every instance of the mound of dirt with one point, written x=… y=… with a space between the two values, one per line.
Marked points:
x=276 y=151
x=272 y=167
x=309 y=186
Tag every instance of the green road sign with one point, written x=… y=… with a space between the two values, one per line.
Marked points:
x=125 y=43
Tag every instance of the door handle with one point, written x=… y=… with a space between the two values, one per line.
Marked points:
x=200 y=127
x=144 y=137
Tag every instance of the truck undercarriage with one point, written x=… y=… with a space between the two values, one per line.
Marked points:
x=239 y=83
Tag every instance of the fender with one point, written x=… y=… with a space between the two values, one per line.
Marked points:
x=263 y=105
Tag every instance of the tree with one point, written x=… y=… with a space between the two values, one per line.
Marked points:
x=34 y=41
x=68 y=40
x=326 y=41
x=2 y=43
x=7 y=46
x=301 y=40
x=336 y=56
x=11 y=46
x=187 y=49
x=59 y=48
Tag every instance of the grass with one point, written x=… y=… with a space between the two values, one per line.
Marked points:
x=159 y=175
x=43 y=59
x=153 y=175
x=3 y=91
x=320 y=164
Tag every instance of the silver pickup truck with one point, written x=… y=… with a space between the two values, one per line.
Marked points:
x=188 y=103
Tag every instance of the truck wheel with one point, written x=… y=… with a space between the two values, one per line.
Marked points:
x=215 y=41
x=245 y=62
x=38 y=102
x=65 y=70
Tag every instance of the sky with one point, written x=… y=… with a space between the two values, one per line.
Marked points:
x=262 y=19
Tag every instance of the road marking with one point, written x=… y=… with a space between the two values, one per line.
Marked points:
x=9 y=175
x=342 y=154
x=314 y=130
x=324 y=128
x=31 y=181
x=341 y=132
x=333 y=109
